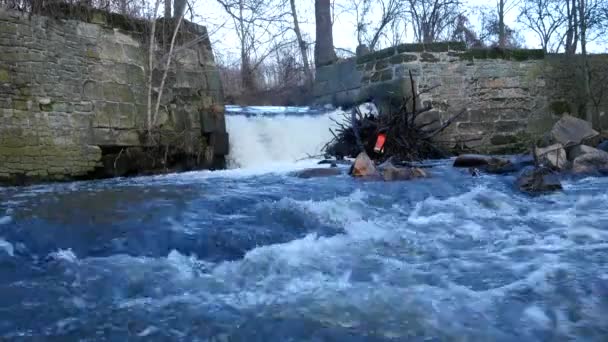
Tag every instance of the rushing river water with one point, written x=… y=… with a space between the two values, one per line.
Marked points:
x=254 y=254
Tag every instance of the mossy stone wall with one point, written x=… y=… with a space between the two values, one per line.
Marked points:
x=73 y=89
x=509 y=97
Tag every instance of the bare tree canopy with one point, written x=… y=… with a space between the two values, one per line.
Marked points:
x=545 y=18
x=255 y=24
x=432 y=18
x=373 y=18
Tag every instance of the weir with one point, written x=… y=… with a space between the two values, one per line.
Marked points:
x=275 y=135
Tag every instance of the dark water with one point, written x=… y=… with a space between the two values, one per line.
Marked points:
x=242 y=256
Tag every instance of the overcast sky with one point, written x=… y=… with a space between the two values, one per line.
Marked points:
x=224 y=39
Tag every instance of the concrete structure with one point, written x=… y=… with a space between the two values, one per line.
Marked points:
x=73 y=99
x=509 y=97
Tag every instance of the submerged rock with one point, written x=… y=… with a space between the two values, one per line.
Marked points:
x=570 y=131
x=553 y=156
x=317 y=173
x=538 y=181
x=477 y=160
x=363 y=166
x=592 y=163
x=391 y=173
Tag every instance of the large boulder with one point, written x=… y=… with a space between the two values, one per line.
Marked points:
x=317 y=173
x=578 y=150
x=593 y=163
x=392 y=173
x=363 y=166
x=538 y=181
x=553 y=156
x=603 y=146
x=570 y=131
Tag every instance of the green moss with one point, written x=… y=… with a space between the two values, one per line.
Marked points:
x=410 y=48
x=20 y=105
x=91 y=53
x=403 y=58
x=428 y=57
x=381 y=54
x=560 y=107
x=518 y=55
x=4 y=76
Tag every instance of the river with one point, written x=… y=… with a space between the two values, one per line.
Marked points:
x=254 y=254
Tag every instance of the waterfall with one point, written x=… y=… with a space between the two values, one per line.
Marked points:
x=265 y=135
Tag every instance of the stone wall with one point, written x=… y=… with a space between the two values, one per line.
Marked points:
x=73 y=100
x=509 y=98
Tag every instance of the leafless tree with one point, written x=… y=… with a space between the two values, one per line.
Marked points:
x=545 y=18
x=301 y=43
x=502 y=8
x=256 y=26
x=373 y=18
x=465 y=33
x=432 y=18
x=324 y=46
x=590 y=27
x=572 y=36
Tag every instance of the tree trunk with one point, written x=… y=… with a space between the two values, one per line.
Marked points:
x=247 y=77
x=167 y=9
x=324 y=46
x=572 y=33
x=582 y=19
x=301 y=44
x=179 y=7
x=502 y=39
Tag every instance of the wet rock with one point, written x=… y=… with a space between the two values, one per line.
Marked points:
x=332 y=161
x=553 y=156
x=392 y=173
x=538 y=181
x=363 y=166
x=477 y=160
x=603 y=146
x=570 y=131
x=317 y=173
x=592 y=163
x=578 y=150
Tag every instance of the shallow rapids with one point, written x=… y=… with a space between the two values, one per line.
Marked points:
x=245 y=255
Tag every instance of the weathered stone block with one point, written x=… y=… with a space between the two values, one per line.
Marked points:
x=509 y=126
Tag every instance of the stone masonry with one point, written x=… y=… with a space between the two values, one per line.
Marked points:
x=73 y=99
x=509 y=98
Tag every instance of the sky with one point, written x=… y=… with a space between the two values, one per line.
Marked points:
x=225 y=41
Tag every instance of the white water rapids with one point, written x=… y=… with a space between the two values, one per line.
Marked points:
x=276 y=135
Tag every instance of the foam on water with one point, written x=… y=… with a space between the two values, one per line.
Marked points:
x=450 y=257
x=5 y=220
x=267 y=139
x=7 y=247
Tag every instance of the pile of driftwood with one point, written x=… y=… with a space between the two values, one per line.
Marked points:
x=407 y=139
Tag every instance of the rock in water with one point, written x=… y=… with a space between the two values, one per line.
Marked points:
x=392 y=173
x=603 y=146
x=592 y=163
x=317 y=173
x=363 y=166
x=538 y=181
x=477 y=160
x=570 y=131
x=578 y=150
x=553 y=156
